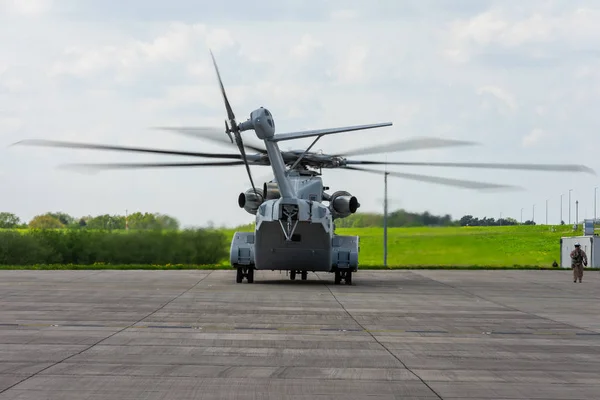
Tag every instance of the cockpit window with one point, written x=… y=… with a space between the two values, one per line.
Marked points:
x=270 y=122
x=267 y=113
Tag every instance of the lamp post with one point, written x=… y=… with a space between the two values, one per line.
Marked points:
x=595 y=189
x=385 y=212
x=561 y=208
x=546 y=211
x=570 y=190
x=521 y=215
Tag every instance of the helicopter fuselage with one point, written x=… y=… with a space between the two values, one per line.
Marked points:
x=296 y=234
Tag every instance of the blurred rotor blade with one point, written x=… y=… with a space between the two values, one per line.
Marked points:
x=408 y=144
x=56 y=143
x=538 y=167
x=149 y=165
x=209 y=133
x=233 y=126
x=443 y=181
x=230 y=114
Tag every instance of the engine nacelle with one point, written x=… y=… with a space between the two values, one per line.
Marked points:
x=342 y=204
x=250 y=201
x=271 y=191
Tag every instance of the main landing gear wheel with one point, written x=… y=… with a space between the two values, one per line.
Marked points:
x=245 y=272
x=345 y=275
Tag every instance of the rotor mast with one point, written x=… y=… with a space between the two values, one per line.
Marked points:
x=273 y=151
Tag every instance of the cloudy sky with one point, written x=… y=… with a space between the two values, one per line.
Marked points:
x=520 y=78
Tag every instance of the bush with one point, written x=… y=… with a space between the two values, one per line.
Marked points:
x=49 y=246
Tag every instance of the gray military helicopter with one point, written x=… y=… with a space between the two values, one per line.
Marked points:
x=295 y=229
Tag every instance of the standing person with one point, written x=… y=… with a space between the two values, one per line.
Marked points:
x=578 y=260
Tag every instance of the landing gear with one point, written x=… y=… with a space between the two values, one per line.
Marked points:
x=345 y=275
x=245 y=272
x=303 y=274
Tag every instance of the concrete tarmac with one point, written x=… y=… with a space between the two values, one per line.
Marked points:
x=392 y=335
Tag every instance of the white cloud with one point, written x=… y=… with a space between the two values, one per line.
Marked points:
x=351 y=69
x=26 y=7
x=174 y=45
x=404 y=113
x=540 y=110
x=344 y=15
x=8 y=123
x=306 y=47
x=501 y=94
x=509 y=27
x=218 y=39
x=534 y=137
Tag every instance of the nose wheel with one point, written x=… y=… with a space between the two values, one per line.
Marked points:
x=245 y=272
x=346 y=276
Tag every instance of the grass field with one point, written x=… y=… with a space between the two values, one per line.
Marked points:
x=441 y=247
x=463 y=246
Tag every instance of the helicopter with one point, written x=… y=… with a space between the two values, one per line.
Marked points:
x=294 y=228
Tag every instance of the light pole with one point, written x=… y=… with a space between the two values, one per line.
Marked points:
x=385 y=211
x=595 y=189
x=521 y=215
x=561 y=208
x=570 y=190
x=576 y=211
x=546 y=211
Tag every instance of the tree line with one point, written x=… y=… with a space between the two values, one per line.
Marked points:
x=60 y=220
x=157 y=221
x=403 y=218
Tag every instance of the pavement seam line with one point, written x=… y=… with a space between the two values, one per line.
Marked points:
x=109 y=336
x=381 y=344
x=507 y=306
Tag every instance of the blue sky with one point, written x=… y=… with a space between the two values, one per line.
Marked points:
x=520 y=78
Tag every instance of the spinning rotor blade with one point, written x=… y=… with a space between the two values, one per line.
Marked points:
x=408 y=144
x=56 y=143
x=230 y=114
x=233 y=124
x=538 y=167
x=443 y=181
x=208 y=133
x=151 y=165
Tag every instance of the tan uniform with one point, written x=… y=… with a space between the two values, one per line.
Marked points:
x=578 y=260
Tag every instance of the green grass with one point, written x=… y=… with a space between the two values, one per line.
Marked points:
x=505 y=247
x=462 y=246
